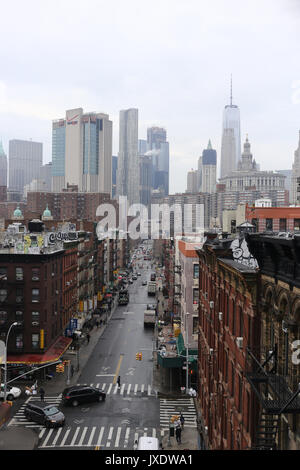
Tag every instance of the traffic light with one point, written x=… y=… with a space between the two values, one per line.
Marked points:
x=138 y=356
x=141 y=357
x=60 y=368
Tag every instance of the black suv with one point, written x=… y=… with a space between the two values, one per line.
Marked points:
x=42 y=413
x=82 y=394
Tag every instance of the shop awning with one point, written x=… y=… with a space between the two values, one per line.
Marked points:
x=51 y=355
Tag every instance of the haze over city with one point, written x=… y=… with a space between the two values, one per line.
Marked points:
x=171 y=60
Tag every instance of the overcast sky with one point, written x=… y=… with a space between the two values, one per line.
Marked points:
x=171 y=59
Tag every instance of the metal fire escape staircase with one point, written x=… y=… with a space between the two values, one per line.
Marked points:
x=274 y=396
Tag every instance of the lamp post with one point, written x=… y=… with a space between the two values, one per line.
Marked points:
x=5 y=364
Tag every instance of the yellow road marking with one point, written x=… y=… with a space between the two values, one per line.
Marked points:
x=118 y=369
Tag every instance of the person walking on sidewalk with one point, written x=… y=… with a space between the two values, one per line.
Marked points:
x=178 y=434
x=181 y=420
x=119 y=381
x=42 y=393
x=88 y=338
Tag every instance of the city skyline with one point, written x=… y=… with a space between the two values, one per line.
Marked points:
x=188 y=102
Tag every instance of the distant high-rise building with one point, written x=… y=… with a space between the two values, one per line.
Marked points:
x=295 y=175
x=199 y=183
x=114 y=176
x=142 y=146
x=288 y=180
x=158 y=148
x=209 y=170
x=145 y=179
x=128 y=159
x=82 y=151
x=192 y=181
x=46 y=175
x=231 y=138
x=3 y=166
x=25 y=162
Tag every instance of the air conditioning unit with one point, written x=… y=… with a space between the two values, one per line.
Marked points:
x=56 y=292
x=211 y=304
x=35 y=323
x=35 y=278
x=53 y=274
x=211 y=351
x=19 y=299
x=205 y=295
x=220 y=316
x=68 y=283
x=239 y=342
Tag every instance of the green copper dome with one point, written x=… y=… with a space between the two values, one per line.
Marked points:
x=17 y=212
x=47 y=212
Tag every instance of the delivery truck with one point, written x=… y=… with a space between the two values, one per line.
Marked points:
x=151 y=288
x=149 y=318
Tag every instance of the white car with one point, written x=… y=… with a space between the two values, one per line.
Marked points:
x=11 y=392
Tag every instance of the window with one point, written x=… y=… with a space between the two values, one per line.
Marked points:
x=241 y=322
x=240 y=394
x=195 y=325
x=195 y=296
x=3 y=295
x=196 y=271
x=35 y=274
x=19 y=341
x=35 y=318
x=35 y=295
x=282 y=225
x=269 y=224
x=19 y=316
x=3 y=274
x=35 y=341
x=19 y=295
x=296 y=224
x=19 y=274
x=255 y=223
x=3 y=317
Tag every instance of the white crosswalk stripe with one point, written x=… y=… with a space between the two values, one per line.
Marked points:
x=104 y=437
x=113 y=389
x=169 y=407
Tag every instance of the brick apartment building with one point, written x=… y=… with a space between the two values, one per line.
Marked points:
x=228 y=324
x=277 y=219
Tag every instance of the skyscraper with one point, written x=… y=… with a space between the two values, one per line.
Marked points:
x=209 y=170
x=295 y=175
x=25 y=162
x=128 y=177
x=158 y=148
x=231 y=138
x=192 y=181
x=3 y=166
x=114 y=175
x=82 y=151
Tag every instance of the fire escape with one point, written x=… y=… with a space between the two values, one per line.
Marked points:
x=274 y=395
x=177 y=288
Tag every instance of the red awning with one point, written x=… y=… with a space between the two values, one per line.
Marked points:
x=51 y=355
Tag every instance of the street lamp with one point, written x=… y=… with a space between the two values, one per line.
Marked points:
x=5 y=364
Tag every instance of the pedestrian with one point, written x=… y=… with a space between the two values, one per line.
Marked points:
x=72 y=370
x=119 y=381
x=88 y=337
x=181 y=420
x=135 y=445
x=178 y=434
x=42 y=393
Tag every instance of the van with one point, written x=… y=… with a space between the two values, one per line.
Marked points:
x=148 y=443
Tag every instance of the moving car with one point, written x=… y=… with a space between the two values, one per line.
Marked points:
x=148 y=443
x=139 y=274
x=144 y=283
x=11 y=392
x=82 y=394
x=134 y=277
x=45 y=414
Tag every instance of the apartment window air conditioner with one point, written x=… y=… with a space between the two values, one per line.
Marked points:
x=220 y=316
x=35 y=323
x=211 y=304
x=239 y=342
x=53 y=274
x=205 y=295
x=211 y=351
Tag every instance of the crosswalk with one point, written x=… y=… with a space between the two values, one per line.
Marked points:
x=102 y=437
x=125 y=389
x=169 y=407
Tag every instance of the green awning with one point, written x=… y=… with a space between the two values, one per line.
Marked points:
x=193 y=353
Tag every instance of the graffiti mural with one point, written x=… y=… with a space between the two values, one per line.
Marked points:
x=241 y=253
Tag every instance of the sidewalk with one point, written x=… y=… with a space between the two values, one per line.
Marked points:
x=59 y=382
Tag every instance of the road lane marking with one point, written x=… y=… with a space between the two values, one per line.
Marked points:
x=65 y=438
x=42 y=433
x=122 y=389
x=128 y=389
x=149 y=390
x=135 y=389
x=100 y=436
x=47 y=438
x=105 y=375
x=116 y=389
x=118 y=368
x=109 y=389
x=57 y=436
x=111 y=430
x=82 y=436
x=75 y=436
x=118 y=437
x=91 y=436
x=142 y=388
x=126 y=437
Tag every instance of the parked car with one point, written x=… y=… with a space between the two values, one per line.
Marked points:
x=144 y=283
x=82 y=394
x=11 y=392
x=130 y=281
x=45 y=414
x=139 y=274
x=134 y=277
